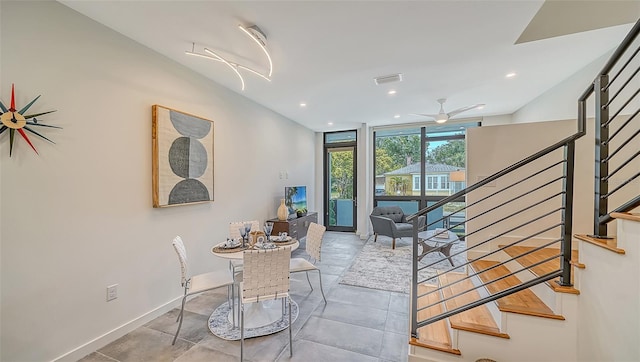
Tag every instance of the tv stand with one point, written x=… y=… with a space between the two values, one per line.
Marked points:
x=295 y=227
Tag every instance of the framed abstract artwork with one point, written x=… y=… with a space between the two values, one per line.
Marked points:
x=182 y=158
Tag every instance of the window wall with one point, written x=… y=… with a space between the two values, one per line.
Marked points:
x=417 y=167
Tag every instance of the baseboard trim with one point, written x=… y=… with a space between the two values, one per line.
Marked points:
x=116 y=333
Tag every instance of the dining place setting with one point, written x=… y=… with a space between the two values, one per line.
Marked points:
x=249 y=237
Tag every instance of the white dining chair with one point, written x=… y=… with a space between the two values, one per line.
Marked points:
x=313 y=248
x=196 y=283
x=266 y=277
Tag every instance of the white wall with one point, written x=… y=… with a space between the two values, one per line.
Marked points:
x=491 y=149
x=78 y=216
x=561 y=101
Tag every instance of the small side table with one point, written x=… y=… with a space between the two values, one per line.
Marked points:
x=441 y=245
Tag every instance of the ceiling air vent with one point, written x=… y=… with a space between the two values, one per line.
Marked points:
x=388 y=79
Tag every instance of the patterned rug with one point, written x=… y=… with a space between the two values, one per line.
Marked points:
x=220 y=326
x=377 y=266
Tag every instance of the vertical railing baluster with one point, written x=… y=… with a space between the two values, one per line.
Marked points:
x=567 y=213
x=601 y=186
x=414 y=281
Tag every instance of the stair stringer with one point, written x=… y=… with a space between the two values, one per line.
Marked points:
x=609 y=310
x=532 y=339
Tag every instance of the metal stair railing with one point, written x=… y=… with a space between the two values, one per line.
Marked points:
x=542 y=208
x=537 y=205
x=617 y=133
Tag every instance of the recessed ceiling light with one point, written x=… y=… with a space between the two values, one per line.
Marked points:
x=481 y=107
x=396 y=116
x=510 y=75
x=391 y=92
x=330 y=123
x=303 y=104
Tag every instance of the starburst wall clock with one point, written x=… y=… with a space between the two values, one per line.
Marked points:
x=14 y=120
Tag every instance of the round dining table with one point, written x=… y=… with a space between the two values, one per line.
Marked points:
x=261 y=313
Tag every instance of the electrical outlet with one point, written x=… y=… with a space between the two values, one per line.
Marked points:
x=112 y=292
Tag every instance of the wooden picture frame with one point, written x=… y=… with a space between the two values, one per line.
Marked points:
x=182 y=147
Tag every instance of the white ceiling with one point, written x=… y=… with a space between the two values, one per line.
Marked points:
x=326 y=53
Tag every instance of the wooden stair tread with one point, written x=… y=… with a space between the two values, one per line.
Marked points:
x=522 y=302
x=478 y=319
x=435 y=335
x=609 y=244
x=626 y=215
x=545 y=268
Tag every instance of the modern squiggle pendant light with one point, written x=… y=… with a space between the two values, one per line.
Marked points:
x=258 y=37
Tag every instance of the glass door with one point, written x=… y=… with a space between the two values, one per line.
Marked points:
x=340 y=186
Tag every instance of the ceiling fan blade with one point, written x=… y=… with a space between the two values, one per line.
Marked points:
x=464 y=109
x=424 y=115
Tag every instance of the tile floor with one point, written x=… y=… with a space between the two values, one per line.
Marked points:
x=357 y=324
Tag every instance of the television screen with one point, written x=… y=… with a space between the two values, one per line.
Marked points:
x=296 y=198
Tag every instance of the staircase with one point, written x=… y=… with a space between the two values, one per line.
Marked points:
x=531 y=290
x=596 y=320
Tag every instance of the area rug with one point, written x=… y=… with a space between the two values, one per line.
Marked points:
x=377 y=266
x=220 y=326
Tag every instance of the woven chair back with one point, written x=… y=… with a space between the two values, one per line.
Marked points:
x=314 y=240
x=178 y=246
x=266 y=274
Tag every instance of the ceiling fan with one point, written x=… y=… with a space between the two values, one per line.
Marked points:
x=443 y=116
